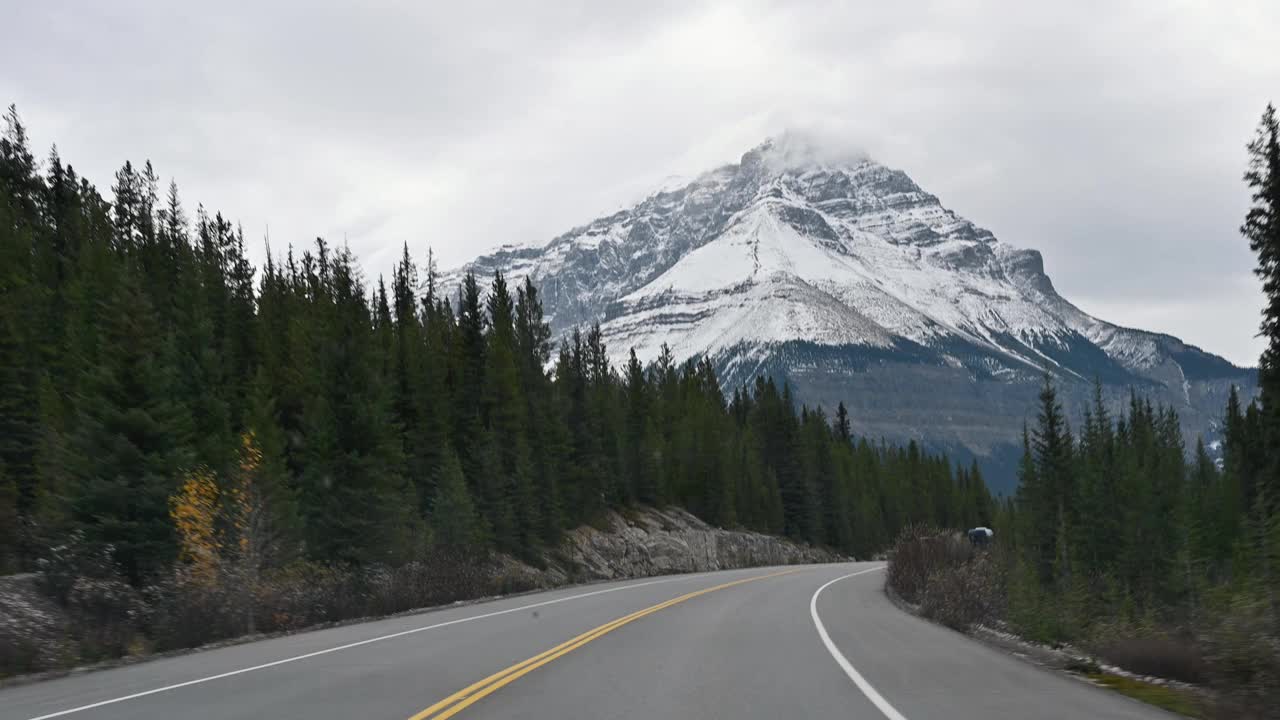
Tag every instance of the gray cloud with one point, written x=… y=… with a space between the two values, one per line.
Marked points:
x=1108 y=135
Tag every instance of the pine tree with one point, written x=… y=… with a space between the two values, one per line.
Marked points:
x=18 y=176
x=68 y=214
x=410 y=384
x=581 y=489
x=434 y=392
x=129 y=443
x=1199 y=511
x=842 y=423
x=240 y=333
x=1033 y=504
x=977 y=499
x=507 y=499
x=20 y=358
x=357 y=505
x=453 y=520
x=543 y=425
x=384 y=332
x=1052 y=446
x=1237 y=475
x=271 y=489
x=1097 y=545
x=642 y=483
x=468 y=364
x=1262 y=229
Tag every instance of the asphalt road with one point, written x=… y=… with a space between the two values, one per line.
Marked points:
x=763 y=643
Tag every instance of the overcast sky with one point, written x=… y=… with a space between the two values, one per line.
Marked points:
x=1109 y=136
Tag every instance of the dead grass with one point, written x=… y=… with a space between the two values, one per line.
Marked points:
x=1173 y=699
x=1167 y=657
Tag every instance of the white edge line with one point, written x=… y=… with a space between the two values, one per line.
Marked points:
x=380 y=638
x=867 y=689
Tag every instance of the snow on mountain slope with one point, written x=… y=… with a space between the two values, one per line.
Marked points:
x=796 y=247
x=874 y=255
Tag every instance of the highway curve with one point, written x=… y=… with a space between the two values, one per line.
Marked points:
x=798 y=642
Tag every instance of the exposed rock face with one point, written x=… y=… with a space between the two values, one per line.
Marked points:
x=658 y=542
x=847 y=279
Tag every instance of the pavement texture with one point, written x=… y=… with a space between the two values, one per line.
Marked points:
x=733 y=644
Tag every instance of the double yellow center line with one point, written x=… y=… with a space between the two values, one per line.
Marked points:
x=471 y=694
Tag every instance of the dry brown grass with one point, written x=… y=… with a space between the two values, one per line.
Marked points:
x=1164 y=656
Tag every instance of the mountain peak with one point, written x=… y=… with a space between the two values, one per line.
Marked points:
x=812 y=262
x=802 y=149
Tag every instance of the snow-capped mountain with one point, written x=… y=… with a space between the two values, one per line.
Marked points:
x=855 y=284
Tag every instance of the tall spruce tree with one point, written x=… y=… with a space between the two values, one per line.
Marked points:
x=507 y=497
x=454 y=522
x=20 y=356
x=1262 y=228
x=130 y=440
x=1052 y=446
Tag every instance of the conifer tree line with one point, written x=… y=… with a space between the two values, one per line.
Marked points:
x=145 y=363
x=1112 y=518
